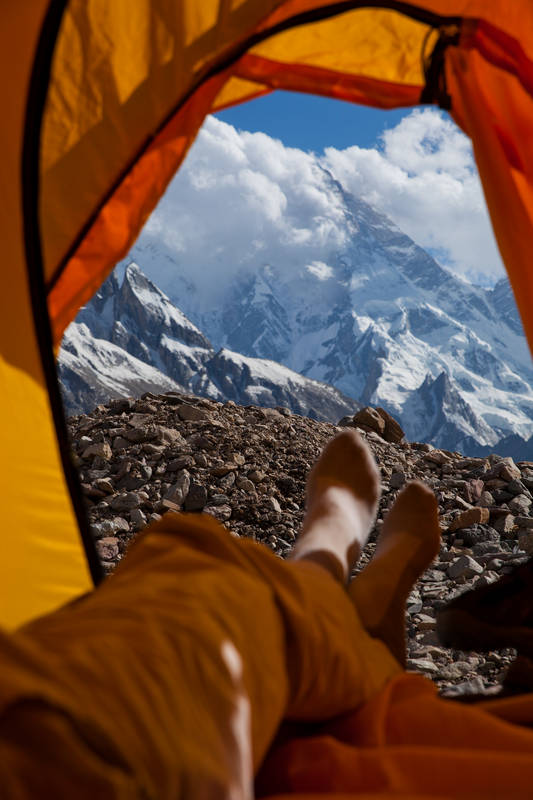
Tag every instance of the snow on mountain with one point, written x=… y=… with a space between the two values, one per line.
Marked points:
x=130 y=339
x=231 y=376
x=92 y=371
x=379 y=319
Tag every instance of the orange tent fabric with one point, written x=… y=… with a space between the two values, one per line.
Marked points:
x=104 y=100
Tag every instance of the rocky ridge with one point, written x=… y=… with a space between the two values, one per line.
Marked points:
x=247 y=466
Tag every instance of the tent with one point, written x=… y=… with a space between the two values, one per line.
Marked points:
x=101 y=101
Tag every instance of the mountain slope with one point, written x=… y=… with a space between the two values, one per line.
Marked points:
x=130 y=339
x=377 y=321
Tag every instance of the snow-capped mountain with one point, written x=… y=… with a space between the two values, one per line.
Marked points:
x=381 y=321
x=130 y=339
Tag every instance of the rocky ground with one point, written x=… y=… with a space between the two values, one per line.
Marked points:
x=247 y=467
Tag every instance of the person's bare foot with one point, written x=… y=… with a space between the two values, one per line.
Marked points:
x=343 y=491
x=407 y=543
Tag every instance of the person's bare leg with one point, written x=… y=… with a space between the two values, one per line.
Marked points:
x=343 y=491
x=407 y=543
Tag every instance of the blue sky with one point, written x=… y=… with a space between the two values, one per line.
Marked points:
x=312 y=123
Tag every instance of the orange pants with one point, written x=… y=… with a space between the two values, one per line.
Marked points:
x=171 y=680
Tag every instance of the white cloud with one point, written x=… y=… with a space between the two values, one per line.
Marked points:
x=243 y=200
x=425 y=179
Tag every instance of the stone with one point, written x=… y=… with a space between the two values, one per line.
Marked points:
x=506 y=470
x=104 y=485
x=464 y=567
x=473 y=490
x=191 y=413
x=177 y=493
x=273 y=504
x=422 y=665
x=524 y=522
x=196 y=498
x=504 y=523
x=227 y=481
x=520 y=504
x=245 y=484
x=141 y=434
x=98 y=450
x=182 y=462
x=107 y=548
x=474 y=686
x=222 y=513
x=485 y=499
x=437 y=457
x=471 y=517
x=218 y=499
x=256 y=476
x=397 y=480
x=369 y=418
x=516 y=487
x=168 y=435
x=525 y=543
x=126 y=501
x=393 y=431
x=425 y=623
x=119 y=524
x=222 y=469
x=138 y=519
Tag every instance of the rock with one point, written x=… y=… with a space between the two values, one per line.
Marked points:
x=504 y=523
x=506 y=470
x=99 y=450
x=525 y=543
x=425 y=623
x=222 y=512
x=256 y=476
x=227 y=481
x=524 y=522
x=516 y=487
x=477 y=533
x=473 y=491
x=218 y=499
x=397 y=480
x=371 y=419
x=168 y=435
x=138 y=519
x=107 y=548
x=474 y=686
x=471 y=517
x=177 y=493
x=437 y=457
x=485 y=499
x=245 y=484
x=422 y=665
x=141 y=434
x=393 y=431
x=192 y=413
x=223 y=469
x=464 y=567
x=520 y=504
x=182 y=462
x=196 y=498
x=273 y=504
x=126 y=501
x=104 y=485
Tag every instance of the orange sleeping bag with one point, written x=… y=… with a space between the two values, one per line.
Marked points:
x=172 y=679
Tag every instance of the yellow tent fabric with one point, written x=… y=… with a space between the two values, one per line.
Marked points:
x=103 y=101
